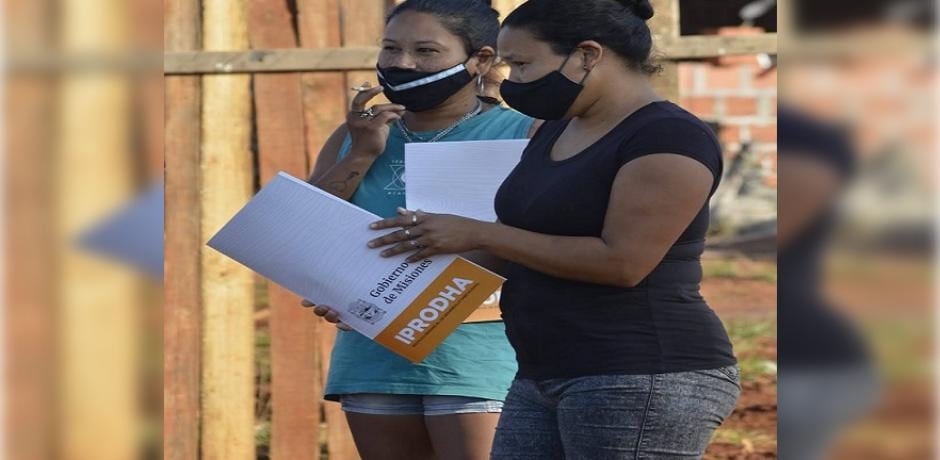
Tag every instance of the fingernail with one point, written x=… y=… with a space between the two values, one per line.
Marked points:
x=373 y=244
x=373 y=225
x=386 y=253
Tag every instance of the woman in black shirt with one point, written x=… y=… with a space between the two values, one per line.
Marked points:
x=602 y=224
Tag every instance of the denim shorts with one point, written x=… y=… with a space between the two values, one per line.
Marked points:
x=616 y=417
x=428 y=405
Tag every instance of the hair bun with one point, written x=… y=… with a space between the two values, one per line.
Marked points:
x=641 y=8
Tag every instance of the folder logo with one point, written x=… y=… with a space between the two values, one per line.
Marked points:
x=366 y=311
x=439 y=309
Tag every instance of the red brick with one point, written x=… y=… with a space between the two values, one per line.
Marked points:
x=886 y=106
x=723 y=77
x=824 y=106
x=764 y=133
x=765 y=79
x=769 y=161
x=700 y=106
x=735 y=31
x=739 y=30
x=922 y=137
x=687 y=76
x=737 y=106
x=729 y=134
x=868 y=135
x=737 y=59
x=771 y=180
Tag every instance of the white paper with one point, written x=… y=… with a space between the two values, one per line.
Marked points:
x=315 y=245
x=133 y=235
x=459 y=178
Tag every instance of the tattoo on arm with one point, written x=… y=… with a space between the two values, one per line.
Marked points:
x=341 y=186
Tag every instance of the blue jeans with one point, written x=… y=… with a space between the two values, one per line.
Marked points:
x=660 y=416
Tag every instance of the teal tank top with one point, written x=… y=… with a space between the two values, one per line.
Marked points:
x=476 y=360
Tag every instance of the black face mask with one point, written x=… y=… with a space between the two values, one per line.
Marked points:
x=548 y=98
x=420 y=91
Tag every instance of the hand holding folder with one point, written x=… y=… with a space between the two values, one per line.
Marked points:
x=314 y=244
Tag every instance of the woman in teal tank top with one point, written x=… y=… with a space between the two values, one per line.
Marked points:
x=434 y=57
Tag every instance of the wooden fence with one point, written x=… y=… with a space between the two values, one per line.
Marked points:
x=79 y=144
x=238 y=70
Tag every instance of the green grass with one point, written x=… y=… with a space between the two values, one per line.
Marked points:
x=752 y=368
x=261 y=295
x=734 y=269
x=263 y=389
x=738 y=437
x=902 y=345
x=749 y=331
x=751 y=339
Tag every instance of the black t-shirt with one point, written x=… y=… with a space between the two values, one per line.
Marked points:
x=811 y=333
x=562 y=328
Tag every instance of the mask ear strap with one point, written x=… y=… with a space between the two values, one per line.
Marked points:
x=567 y=58
x=472 y=55
x=587 y=69
x=481 y=87
x=586 y=75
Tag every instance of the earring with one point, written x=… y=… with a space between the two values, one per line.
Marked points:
x=481 y=90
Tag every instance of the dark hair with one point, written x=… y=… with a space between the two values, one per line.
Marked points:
x=474 y=21
x=617 y=24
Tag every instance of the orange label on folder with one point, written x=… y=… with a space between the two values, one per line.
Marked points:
x=439 y=309
x=314 y=244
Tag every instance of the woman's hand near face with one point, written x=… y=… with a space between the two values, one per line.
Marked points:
x=370 y=130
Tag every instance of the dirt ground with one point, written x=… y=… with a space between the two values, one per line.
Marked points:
x=887 y=302
x=888 y=299
x=743 y=293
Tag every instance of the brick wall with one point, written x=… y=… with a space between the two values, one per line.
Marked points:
x=738 y=94
x=887 y=103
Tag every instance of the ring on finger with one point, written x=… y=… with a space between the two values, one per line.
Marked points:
x=415 y=244
x=414 y=219
x=368 y=113
x=408 y=234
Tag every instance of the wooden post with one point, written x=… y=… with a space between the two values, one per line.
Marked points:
x=325 y=106
x=149 y=34
x=99 y=301
x=31 y=322
x=296 y=393
x=665 y=27
x=363 y=25
x=183 y=304
x=227 y=287
x=506 y=6
x=339 y=440
x=785 y=18
x=324 y=92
